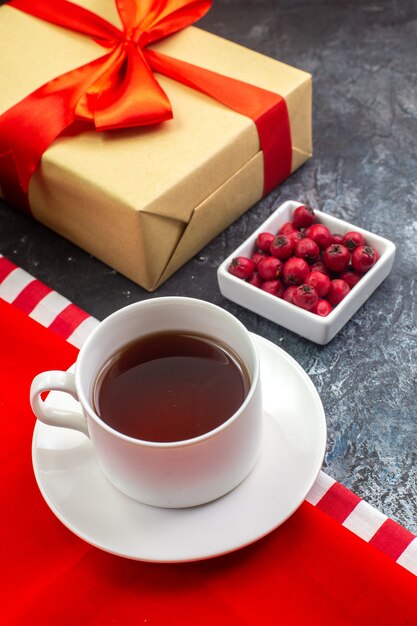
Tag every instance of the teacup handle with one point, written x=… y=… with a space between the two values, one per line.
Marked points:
x=56 y=380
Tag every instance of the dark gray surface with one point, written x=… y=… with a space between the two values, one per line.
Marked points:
x=363 y=60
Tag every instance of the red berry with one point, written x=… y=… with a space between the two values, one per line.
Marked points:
x=338 y=290
x=336 y=257
x=286 y=228
x=295 y=271
x=257 y=256
x=295 y=236
x=255 y=280
x=320 y=267
x=303 y=216
x=363 y=258
x=319 y=281
x=352 y=240
x=336 y=238
x=281 y=247
x=263 y=241
x=307 y=249
x=321 y=235
x=288 y=294
x=274 y=287
x=351 y=277
x=305 y=297
x=322 y=308
x=269 y=267
x=242 y=267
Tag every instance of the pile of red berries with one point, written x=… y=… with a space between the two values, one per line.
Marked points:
x=305 y=264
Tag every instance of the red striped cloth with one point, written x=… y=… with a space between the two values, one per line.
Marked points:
x=43 y=304
x=54 y=311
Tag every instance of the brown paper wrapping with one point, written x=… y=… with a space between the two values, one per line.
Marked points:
x=146 y=200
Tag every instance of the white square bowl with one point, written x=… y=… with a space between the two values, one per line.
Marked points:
x=321 y=330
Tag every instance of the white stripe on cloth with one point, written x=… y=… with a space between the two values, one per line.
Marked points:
x=364 y=520
x=14 y=284
x=408 y=558
x=320 y=488
x=81 y=333
x=49 y=308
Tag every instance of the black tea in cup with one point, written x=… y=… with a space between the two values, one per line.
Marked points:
x=170 y=386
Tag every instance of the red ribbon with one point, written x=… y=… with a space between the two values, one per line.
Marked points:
x=119 y=89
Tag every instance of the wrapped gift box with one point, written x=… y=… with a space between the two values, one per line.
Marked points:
x=145 y=200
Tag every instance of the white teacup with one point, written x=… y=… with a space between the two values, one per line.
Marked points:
x=168 y=474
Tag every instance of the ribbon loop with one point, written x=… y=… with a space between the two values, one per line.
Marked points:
x=126 y=93
x=123 y=105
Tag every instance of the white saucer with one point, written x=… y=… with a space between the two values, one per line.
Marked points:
x=79 y=494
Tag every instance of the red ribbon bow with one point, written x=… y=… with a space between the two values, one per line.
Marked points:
x=119 y=89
